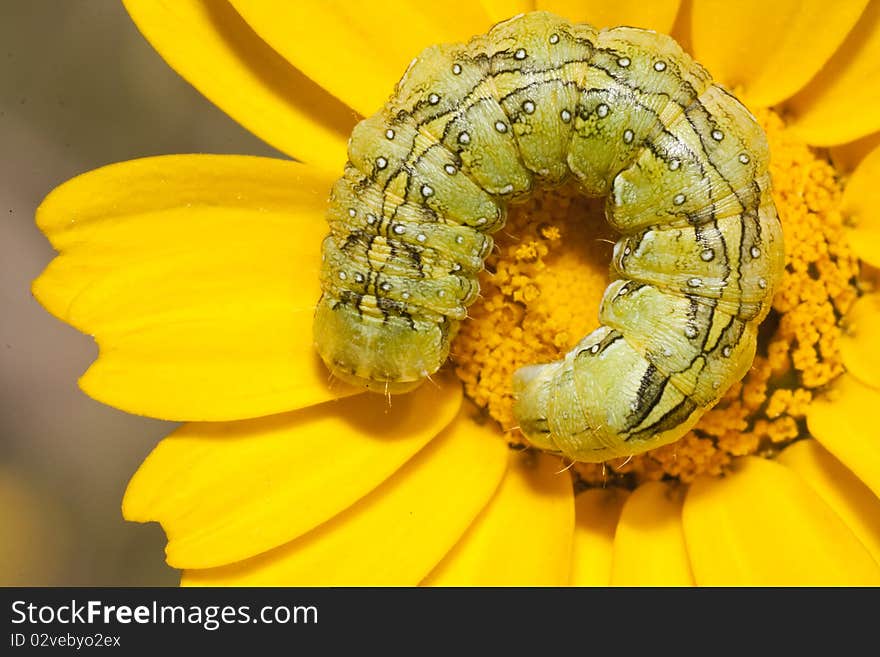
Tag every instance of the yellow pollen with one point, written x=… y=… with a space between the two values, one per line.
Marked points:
x=543 y=282
x=539 y=295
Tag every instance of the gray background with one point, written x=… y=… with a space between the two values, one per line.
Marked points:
x=79 y=88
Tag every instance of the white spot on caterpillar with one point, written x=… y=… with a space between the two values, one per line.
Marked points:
x=404 y=295
x=678 y=199
x=464 y=138
x=674 y=165
x=385 y=287
x=501 y=126
x=695 y=282
x=359 y=277
x=456 y=69
x=352 y=213
x=755 y=252
x=691 y=332
x=389 y=134
x=505 y=190
x=707 y=255
x=602 y=110
x=554 y=39
x=565 y=115
x=342 y=276
x=528 y=107
x=520 y=54
x=371 y=219
x=594 y=349
x=623 y=62
x=659 y=66
x=762 y=283
x=433 y=99
x=381 y=162
x=450 y=169
x=717 y=135
x=398 y=229
x=628 y=136
x=427 y=191
x=726 y=351
x=459 y=239
x=744 y=158
x=421 y=237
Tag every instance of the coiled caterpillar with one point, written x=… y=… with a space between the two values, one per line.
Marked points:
x=535 y=102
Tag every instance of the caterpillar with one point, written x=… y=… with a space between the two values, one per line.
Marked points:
x=537 y=102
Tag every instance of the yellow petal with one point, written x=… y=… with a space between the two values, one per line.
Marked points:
x=860 y=207
x=228 y=491
x=656 y=15
x=394 y=535
x=499 y=10
x=768 y=51
x=860 y=343
x=358 y=53
x=597 y=512
x=649 y=547
x=197 y=275
x=839 y=488
x=681 y=29
x=840 y=103
x=846 y=157
x=763 y=526
x=845 y=421
x=523 y=537
x=211 y=47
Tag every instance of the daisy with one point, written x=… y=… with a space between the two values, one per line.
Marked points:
x=198 y=276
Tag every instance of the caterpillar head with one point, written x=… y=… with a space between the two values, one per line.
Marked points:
x=532 y=391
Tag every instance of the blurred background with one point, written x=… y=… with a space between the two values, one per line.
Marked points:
x=79 y=88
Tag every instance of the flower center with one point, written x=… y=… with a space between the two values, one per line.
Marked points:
x=540 y=295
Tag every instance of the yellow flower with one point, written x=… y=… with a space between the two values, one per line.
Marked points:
x=197 y=276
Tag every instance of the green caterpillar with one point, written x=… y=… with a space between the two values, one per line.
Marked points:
x=534 y=103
